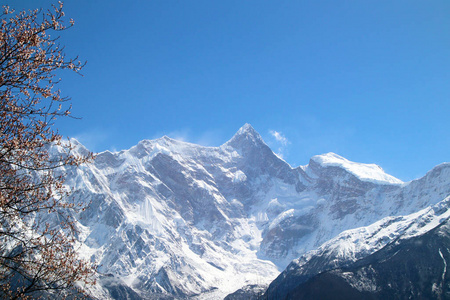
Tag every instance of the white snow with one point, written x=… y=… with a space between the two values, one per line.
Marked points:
x=355 y=244
x=221 y=244
x=281 y=217
x=239 y=176
x=445 y=267
x=365 y=172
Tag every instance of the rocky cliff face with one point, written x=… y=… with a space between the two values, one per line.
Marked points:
x=414 y=268
x=395 y=258
x=173 y=219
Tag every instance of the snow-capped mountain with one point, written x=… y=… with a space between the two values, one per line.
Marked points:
x=173 y=219
x=395 y=258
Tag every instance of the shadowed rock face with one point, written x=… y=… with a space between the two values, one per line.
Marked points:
x=415 y=268
x=395 y=258
x=118 y=289
x=228 y=216
x=249 y=292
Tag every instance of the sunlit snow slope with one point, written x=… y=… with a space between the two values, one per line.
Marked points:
x=172 y=219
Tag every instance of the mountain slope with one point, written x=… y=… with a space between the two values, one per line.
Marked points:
x=396 y=257
x=415 y=268
x=174 y=219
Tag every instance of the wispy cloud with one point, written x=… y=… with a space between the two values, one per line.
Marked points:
x=207 y=138
x=93 y=140
x=183 y=135
x=280 y=142
x=279 y=137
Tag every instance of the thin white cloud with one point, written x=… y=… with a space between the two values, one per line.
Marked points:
x=208 y=138
x=279 y=142
x=93 y=139
x=279 y=137
x=182 y=135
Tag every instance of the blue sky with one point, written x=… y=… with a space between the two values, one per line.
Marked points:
x=368 y=80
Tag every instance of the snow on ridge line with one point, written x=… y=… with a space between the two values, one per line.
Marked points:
x=246 y=128
x=172 y=143
x=354 y=244
x=365 y=172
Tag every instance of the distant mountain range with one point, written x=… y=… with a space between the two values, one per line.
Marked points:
x=174 y=220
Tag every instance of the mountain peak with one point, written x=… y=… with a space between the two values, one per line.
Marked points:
x=246 y=134
x=246 y=129
x=365 y=172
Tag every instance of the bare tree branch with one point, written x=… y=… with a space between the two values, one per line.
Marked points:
x=39 y=255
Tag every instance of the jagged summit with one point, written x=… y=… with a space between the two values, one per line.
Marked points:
x=170 y=145
x=244 y=136
x=166 y=138
x=246 y=129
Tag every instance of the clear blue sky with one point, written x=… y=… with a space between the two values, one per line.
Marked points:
x=367 y=79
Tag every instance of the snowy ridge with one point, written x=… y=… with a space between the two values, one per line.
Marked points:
x=354 y=244
x=366 y=172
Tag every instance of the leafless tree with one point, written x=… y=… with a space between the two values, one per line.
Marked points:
x=35 y=256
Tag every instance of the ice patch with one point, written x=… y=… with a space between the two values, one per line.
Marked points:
x=239 y=176
x=281 y=217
